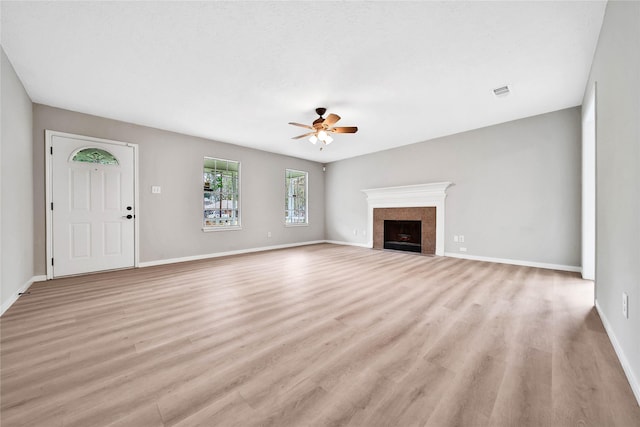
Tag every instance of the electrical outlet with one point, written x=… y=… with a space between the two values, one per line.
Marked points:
x=461 y=238
x=268 y=234
x=355 y=231
x=455 y=239
x=625 y=305
x=463 y=249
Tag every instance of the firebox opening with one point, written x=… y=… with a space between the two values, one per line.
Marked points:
x=403 y=235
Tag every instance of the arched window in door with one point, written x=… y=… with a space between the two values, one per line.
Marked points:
x=95 y=155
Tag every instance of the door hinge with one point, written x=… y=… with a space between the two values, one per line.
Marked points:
x=51 y=205
x=51 y=149
x=51 y=261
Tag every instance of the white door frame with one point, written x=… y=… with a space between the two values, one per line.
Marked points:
x=589 y=141
x=49 y=134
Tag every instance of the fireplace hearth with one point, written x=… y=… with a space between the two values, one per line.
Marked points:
x=403 y=235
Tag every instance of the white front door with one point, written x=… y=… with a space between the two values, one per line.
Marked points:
x=92 y=195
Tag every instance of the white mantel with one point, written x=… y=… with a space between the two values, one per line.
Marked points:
x=410 y=196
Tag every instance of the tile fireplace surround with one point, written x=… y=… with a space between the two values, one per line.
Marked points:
x=409 y=196
x=426 y=216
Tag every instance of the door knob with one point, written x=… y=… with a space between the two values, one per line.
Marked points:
x=128 y=216
x=129 y=208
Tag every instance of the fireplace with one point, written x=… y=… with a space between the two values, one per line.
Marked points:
x=419 y=202
x=403 y=235
x=408 y=229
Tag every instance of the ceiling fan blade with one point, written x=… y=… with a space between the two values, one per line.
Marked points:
x=331 y=120
x=301 y=125
x=302 y=136
x=344 y=129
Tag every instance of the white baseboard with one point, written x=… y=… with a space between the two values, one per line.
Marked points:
x=13 y=298
x=548 y=266
x=560 y=267
x=227 y=253
x=339 y=242
x=362 y=245
x=633 y=381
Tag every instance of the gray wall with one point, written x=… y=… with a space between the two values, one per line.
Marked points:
x=171 y=222
x=516 y=192
x=16 y=181
x=616 y=69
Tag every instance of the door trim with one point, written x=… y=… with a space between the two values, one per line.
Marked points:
x=49 y=134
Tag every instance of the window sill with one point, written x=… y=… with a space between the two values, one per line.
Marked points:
x=229 y=228
x=301 y=224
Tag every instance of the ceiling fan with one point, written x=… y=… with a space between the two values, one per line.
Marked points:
x=321 y=128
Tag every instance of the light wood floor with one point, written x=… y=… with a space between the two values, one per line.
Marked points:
x=319 y=335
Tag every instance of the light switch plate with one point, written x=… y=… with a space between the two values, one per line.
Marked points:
x=156 y=189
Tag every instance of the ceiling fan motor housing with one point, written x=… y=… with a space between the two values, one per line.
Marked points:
x=318 y=123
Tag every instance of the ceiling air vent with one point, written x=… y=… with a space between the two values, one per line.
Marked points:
x=501 y=91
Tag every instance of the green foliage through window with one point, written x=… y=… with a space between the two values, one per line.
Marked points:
x=295 y=202
x=95 y=155
x=221 y=180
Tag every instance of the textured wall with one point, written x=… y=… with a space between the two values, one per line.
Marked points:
x=515 y=192
x=616 y=69
x=16 y=179
x=171 y=222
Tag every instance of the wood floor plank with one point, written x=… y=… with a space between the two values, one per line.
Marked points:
x=409 y=401
x=321 y=335
x=230 y=411
x=146 y=415
x=524 y=397
x=470 y=398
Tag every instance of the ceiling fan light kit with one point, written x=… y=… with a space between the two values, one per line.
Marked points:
x=322 y=127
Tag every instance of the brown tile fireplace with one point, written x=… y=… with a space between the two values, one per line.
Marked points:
x=409 y=229
x=415 y=202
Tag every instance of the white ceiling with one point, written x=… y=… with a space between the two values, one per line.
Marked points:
x=237 y=72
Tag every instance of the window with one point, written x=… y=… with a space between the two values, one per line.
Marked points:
x=221 y=193
x=95 y=155
x=295 y=202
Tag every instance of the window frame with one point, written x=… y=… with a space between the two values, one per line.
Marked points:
x=238 y=226
x=287 y=198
